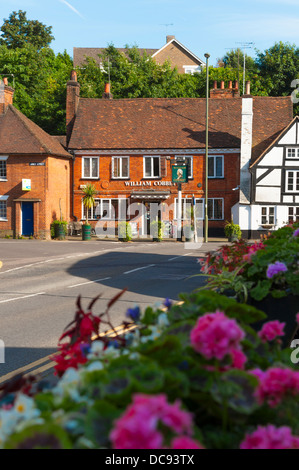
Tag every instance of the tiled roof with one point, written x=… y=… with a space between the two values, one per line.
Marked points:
x=81 y=53
x=19 y=135
x=270 y=116
x=150 y=123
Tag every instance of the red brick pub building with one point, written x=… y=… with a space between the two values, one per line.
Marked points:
x=126 y=148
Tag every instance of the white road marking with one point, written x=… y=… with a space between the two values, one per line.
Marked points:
x=89 y=282
x=181 y=256
x=138 y=269
x=23 y=297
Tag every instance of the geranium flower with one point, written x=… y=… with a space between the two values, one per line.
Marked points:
x=275 y=268
x=185 y=442
x=275 y=384
x=216 y=336
x=138 y=427
x=271 y=330
x=271 y=437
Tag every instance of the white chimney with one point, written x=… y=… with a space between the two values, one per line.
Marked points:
x=246 y=147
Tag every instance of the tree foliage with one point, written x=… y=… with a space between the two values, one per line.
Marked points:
x=39 y=76
x=18 y=32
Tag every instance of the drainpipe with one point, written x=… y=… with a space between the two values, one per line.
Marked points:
x=73 y=184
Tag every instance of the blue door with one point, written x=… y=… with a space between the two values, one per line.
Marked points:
x=27 y=219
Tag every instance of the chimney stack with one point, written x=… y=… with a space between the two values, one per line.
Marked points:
x=6 y=95
x=169 y=38
x=107 y=95
x=222 y=92
x=247 y=88
x=72 y=103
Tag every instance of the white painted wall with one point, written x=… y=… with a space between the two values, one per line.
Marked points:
x=273 y=158
x=267 y=194
x=272 y=179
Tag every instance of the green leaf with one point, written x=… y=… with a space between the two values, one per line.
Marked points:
x=261 y=290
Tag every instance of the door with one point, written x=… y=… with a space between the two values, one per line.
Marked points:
x=27 y=219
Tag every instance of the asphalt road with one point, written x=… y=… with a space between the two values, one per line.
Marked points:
x=40 y=282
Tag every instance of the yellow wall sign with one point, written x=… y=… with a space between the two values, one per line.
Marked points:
x=26 y=185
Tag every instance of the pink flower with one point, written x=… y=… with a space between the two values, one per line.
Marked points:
x=270 y=437
x=238 y=359
x=215 y=335
x=184 y=442
x=271 y=330
x=297 y=318
x=137 y=428
x=275 y=384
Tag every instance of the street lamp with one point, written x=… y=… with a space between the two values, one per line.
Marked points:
x=207 y=144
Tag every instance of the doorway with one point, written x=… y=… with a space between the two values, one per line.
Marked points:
x=27 y=219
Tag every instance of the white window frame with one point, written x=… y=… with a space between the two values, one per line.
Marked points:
x=185 y=201
x=98 y=168
x=267 y=221
x=295 y=214
x=4 y=159
x=99 y=207
x=152 y=166
x=191 y=69
x=4 y=199
x=214 y=172
x=291 y=150
x=187 y=158
x=214 y=199
x=120 y=158
x=295 y=177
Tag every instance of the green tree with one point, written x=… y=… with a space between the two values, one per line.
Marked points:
x=18 y=31
x=278 y=67
x=89 y=193
x=39 y=80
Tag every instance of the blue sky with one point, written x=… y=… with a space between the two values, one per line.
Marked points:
x=200 y=25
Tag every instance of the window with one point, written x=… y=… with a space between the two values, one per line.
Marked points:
x=189 y=162
x=113 y=209
x=187 y=208
x=293 y=153
x=3 y=174
x=215 y=166
x=191 y=69
x=292 y=180
x=120 y=167
x=215 y=209
x=90 y=167
x=151 y=167
x=293 y=214
x=3 y=207
x=268 y=215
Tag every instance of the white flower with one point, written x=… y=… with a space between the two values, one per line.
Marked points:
x=25 y=407
x=93 y=366
x=96 y=349
x=163 y=320
x=68 y=385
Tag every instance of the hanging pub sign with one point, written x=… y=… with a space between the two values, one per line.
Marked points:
x=26 y=185
x=179 y=173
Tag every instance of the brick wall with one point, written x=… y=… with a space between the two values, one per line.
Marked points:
x=110 y=189
x=176 y=55
x=49 y=183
